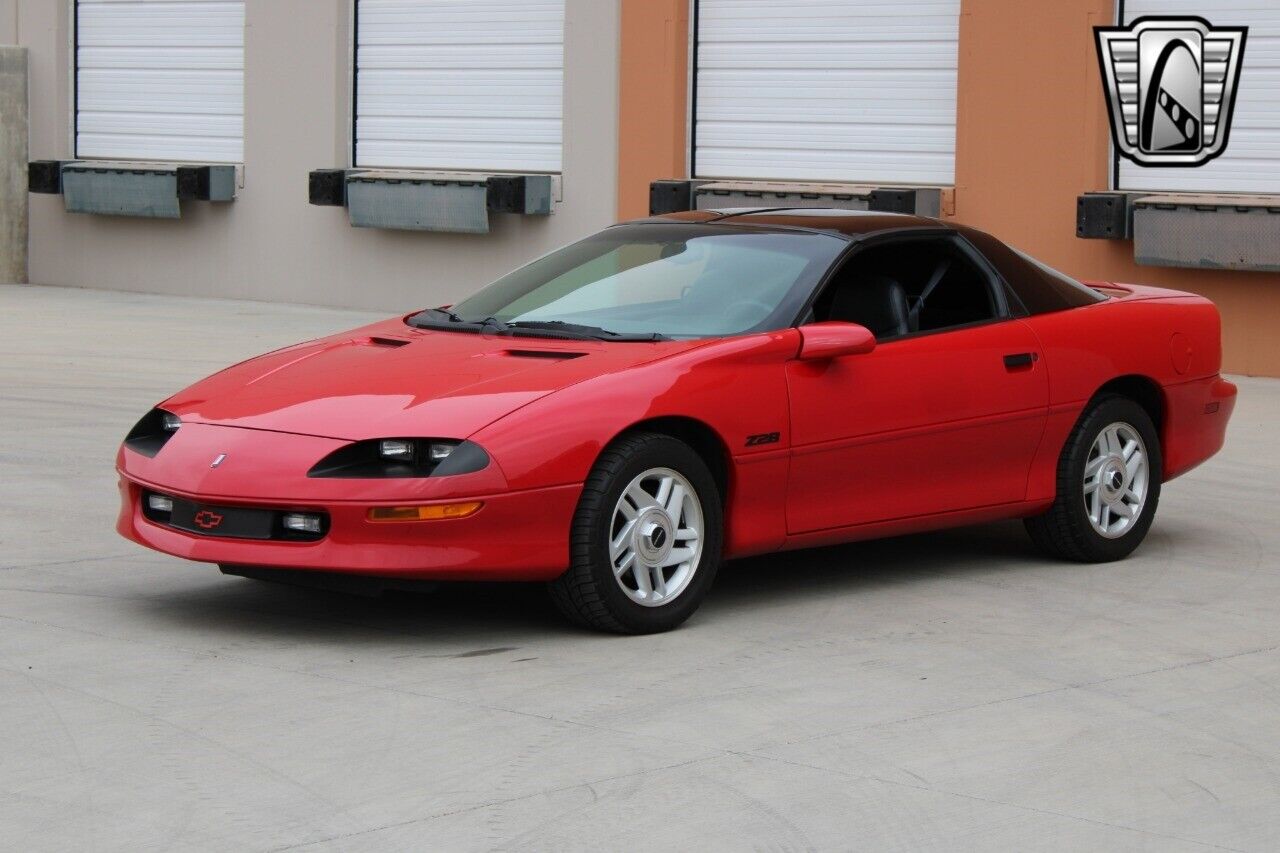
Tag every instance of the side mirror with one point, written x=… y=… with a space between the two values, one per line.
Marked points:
x=819 y=341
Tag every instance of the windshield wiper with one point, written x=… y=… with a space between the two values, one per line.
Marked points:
x=583 y=331
x=445 y=319
x=440 y=318
x=444 y=312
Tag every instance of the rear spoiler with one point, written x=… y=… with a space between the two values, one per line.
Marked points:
x=1115 y=290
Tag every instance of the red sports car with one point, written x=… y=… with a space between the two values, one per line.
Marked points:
x=620 y=416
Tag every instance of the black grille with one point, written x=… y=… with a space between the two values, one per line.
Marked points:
x=231 y=522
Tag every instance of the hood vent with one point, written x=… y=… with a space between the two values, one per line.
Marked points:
x=552 y=354
x=387 y=342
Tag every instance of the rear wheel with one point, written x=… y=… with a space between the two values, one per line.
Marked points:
x=646 y=538
x=1108 y=485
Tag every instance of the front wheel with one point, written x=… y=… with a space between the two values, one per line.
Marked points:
x=646 y=538
x=1108 y=485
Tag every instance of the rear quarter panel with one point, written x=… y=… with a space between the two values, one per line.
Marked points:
x=1169 y=338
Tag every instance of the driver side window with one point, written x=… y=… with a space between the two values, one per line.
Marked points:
x=909 y=287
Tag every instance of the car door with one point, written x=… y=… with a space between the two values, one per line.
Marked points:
x=940 y=417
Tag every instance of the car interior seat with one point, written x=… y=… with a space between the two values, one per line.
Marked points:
x=876 y=301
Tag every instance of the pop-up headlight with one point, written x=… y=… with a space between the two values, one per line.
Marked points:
x=401 y=450
x=402 y=457
x=150 y=434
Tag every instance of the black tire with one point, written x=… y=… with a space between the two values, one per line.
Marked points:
x=587 y=594
x=1065 y=530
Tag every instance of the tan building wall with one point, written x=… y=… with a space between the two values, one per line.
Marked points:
x=1032 y=135
x=270 y=244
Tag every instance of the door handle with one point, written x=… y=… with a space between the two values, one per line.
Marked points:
x=1018 y=360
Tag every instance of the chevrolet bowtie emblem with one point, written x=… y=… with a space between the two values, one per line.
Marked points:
x=218 y=460
x=1171 y=86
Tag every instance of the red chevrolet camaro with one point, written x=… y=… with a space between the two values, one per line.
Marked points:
x=620 y=416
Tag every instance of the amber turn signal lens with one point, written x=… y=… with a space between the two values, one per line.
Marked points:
x=424 y=513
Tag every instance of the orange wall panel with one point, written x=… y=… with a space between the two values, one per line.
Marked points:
x=653 y=81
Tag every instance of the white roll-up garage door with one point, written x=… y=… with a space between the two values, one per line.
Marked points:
x=831 y=90
x=160 y=80
x=459 y=84
x=1251 y=163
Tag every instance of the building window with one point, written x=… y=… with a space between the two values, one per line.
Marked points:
x=826 y=90
x=471 y=85
x=1251 y=163
x=160 y=81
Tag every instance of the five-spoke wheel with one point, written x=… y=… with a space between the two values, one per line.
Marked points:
x=1108 y=485
x=1115 y=480
x=645 y=543
x=656 y=538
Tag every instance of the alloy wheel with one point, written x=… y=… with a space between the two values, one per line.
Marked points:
x=1116 y=480
x=655 y=538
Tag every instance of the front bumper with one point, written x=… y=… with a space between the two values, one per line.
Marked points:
x=514 y=536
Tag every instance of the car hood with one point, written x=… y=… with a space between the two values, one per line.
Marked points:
x=389 y=380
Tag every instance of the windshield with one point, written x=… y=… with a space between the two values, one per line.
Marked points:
x=654 y=280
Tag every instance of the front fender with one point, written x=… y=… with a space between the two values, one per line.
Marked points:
x=736 y=386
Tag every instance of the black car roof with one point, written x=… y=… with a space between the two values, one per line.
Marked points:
x=1038 y=288
x=851 y=223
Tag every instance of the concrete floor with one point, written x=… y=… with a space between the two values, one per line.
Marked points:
x=944 y=692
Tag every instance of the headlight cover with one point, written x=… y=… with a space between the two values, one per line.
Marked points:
x=402 y=457
x=150 y=434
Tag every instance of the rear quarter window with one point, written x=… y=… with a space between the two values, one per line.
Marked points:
x=1040 y=288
